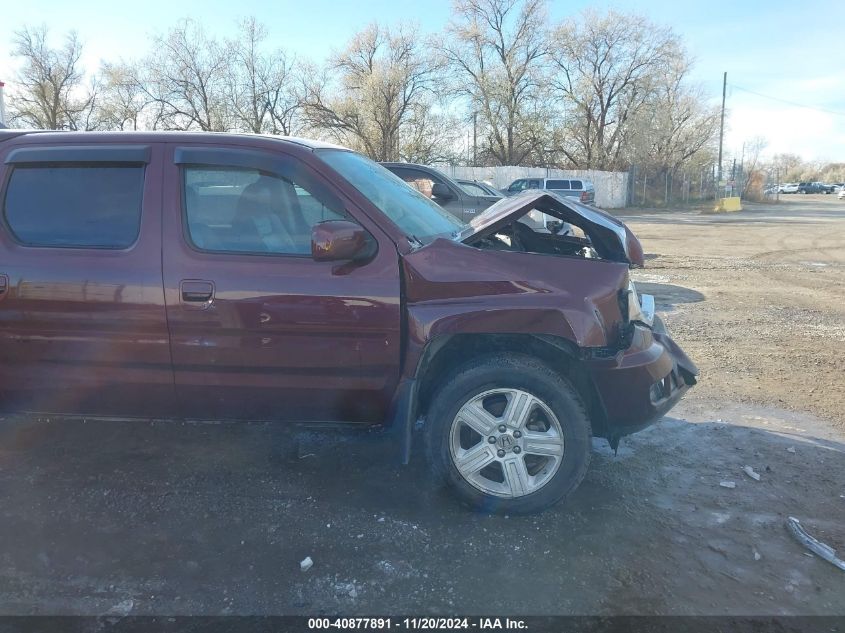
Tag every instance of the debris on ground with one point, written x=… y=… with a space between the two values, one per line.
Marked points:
x=306 y=563
x=751 y=473
x=728 y=484
x=122 y=608
x=790 y=449
x=817 y=547
x=756 y=554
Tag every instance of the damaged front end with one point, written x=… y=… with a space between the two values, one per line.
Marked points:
x=542 y=223
x=641 y=373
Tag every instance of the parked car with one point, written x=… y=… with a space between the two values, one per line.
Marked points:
x=214 y=276
x=810 y=187
x=583 y=190
x=443 y=190
x=479 y=188
x=841 y=194
x=826 y=188
x=791 y=187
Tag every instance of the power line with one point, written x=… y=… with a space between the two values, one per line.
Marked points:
x=792 y=103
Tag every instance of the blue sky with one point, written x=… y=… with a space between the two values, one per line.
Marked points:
x=794 y=52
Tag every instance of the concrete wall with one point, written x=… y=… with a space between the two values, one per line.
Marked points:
x=611 y=187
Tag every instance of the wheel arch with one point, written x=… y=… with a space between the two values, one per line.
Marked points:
x=448 y=351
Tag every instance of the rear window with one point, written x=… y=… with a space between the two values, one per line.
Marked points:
x=557 y=184
x=82 y=206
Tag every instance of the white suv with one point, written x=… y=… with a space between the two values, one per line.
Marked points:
x=578 y=188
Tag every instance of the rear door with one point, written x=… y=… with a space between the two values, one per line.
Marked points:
x=82 y=320
x=259 y=330
x=478 y=198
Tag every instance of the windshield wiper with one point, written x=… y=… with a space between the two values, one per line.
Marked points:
x=414 y=241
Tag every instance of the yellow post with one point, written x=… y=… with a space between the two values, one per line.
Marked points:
x=727 y=205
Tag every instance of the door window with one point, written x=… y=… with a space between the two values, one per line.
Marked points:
x=419 y=180
x=473 y=189
x=557 y=184
x=75 y=205
x=241 y=210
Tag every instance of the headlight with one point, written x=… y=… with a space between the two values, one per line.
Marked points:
x=640 y=307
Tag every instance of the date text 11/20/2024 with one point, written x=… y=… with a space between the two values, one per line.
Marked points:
x=429 y=624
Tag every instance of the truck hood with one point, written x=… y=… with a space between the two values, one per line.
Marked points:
x=610 y=237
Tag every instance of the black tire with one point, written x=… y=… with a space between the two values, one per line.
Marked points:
x=515 y=371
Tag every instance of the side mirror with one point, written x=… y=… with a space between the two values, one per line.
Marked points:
x=440 y=190
x=341 y=240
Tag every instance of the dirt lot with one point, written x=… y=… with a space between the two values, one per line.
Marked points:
x=758 y=299
x=168 y=518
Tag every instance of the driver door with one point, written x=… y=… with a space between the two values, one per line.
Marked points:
x=258 y=329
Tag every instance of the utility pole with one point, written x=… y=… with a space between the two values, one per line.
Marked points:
x=721 y=133
x=733 y=176
x=3 y=122
x=474 y=138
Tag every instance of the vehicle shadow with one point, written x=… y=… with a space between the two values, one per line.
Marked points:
x=667 y=296
x=188 y=518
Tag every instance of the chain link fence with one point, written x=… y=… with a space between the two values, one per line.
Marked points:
x=651 y=188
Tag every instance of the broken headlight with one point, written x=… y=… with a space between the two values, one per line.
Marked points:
x=640 y=307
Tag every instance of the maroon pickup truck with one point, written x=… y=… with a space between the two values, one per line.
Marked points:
x=217 y=276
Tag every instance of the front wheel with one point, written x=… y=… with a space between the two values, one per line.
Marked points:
x=508 y=434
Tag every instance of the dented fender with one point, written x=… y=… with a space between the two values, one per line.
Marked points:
x=452 y=289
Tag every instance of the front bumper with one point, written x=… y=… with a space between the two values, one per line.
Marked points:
x=641 y=384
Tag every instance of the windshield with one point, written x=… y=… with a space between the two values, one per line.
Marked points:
x=417 y=216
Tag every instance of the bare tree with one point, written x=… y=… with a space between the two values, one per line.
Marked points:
x=122 y=100
x=368 y=94
x=429 y=137
x=751 y=166
x=260 y=86
x=497 y=50
x=51 y=90
x=790 y=166
x=832 y=172
x=606 y=68
x=184 y=80
x=675 y=124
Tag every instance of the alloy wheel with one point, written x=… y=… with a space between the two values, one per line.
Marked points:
x=506 y=442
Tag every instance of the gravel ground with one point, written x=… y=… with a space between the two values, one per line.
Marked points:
x=757 y=299
x=176 y=518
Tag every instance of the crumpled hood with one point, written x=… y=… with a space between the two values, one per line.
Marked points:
x=610 y=237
